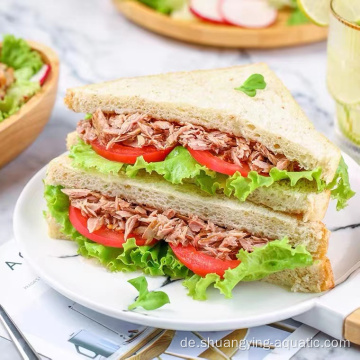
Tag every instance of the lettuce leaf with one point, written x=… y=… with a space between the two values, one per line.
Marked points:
x=160 y=260
x=149 y=300
x=179 y=166
x=84 y=157
x=58 y=208
x=275 y=256
x=340 y=186
x=297 y=17
x=16 y=96
x=164 y=6
x=17 y=54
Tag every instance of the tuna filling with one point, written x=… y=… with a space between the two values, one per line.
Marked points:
x=149 y=223
x=138 y=130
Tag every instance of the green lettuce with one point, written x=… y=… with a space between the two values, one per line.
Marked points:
x=275 y=256
x=17 y=94
x=160 y=260
x=340 y=186
x=164 y=6
x=180 y=166
x=17 y=54
x=84 y=157
x=58 y=208
x=297 y=17
x=149 y=300
x=241 y=187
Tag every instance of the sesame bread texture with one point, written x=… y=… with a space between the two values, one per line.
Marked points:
x=208 y=98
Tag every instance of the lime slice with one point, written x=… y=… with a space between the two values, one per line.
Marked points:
x=316 y=10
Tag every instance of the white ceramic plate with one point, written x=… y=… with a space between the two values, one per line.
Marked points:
x=91 y=285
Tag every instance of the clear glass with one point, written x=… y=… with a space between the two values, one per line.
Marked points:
x=343 y=72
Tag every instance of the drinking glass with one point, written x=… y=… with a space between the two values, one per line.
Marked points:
x=343 y=71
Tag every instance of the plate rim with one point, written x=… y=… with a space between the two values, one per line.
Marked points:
x=143 y=319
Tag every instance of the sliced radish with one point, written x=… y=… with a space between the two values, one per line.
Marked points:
x=42 y=74
x=248 y=13
x=208 y=10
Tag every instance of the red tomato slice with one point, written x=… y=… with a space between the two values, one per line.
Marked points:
x=104 y=235
x=128 y=154
x=200 y=263
x=213 y=162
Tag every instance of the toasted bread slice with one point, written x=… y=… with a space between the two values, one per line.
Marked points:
x=208 y=98
x=187 y=199
x=302 y=200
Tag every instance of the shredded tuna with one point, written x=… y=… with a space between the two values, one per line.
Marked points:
x=6 y=79
x=138 y=130
x=149 y=223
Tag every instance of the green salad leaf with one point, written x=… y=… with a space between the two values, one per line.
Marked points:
x=84 y=157
x=275 y=256
x=340 y=186
x=177 y=166
x=58 y=208
x=149 y=300
x=164 y=6
x=252 y=83
x=297 y=17
x=16 y=96
x=180 y=166
x=17 y=54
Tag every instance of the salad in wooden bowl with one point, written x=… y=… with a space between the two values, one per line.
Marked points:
x=28 y=84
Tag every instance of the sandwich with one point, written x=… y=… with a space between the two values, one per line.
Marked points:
x=145 y=223
x=212 y=128
x=214 y=177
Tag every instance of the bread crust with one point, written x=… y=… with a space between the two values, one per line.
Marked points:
x=301 y=200
x=187 y=199
x=272 y=117
x=316 y=278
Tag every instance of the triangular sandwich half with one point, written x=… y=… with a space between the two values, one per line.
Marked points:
x=236 y=131
x=146 y=223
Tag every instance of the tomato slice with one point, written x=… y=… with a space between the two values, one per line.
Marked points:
x=128 y=154
x=213 y=162
x=104 y=235
x=200 y=263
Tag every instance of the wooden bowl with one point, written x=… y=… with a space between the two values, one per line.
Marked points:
x=18 y=131
x=199 y=32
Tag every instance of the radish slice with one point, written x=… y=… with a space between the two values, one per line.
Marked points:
x=208 y=10
x=42 y=74
x=248 y=13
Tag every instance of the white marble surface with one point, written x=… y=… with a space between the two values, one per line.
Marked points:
x=95 y=43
